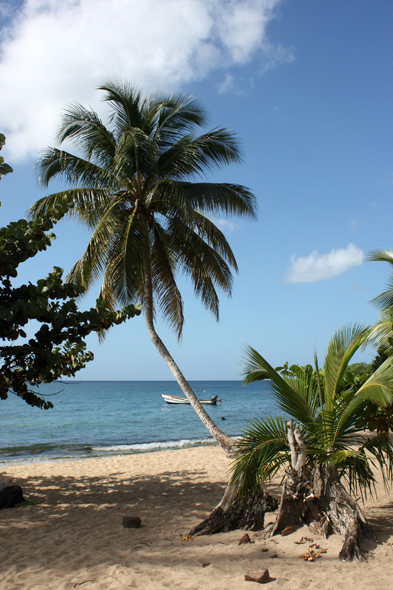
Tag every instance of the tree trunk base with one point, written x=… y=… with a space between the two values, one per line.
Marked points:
x=319 y=499
x=234 y=513
x=316 y=498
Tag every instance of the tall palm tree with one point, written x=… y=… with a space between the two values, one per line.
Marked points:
x=131 y=183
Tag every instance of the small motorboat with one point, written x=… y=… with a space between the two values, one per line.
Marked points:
x=176 y=399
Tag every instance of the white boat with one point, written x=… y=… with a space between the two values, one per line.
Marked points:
x=175 y=399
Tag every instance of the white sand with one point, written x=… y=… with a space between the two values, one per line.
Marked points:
x=75 y=539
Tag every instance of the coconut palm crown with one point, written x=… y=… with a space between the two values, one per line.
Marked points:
x=136 y=184
x=131 y=184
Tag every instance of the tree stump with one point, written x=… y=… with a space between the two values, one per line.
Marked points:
x=316 y=496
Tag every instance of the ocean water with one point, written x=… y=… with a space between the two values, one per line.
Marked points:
x=94 y=418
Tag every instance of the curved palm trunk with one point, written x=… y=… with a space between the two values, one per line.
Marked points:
x=232 y=512
x=226 y=442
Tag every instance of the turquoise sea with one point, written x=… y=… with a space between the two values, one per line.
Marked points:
x=94 y=418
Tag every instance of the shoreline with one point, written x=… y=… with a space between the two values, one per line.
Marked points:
x=74 y=536
x=100 y=451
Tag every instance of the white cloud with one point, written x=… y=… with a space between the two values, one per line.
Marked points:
x=226 y=85
x=6 y=9
x=54 y=52
x=319 y=267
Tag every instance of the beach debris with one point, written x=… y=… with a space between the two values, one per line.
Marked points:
x=304 y=540
x=314 y=551
x=287 y=531
x=274 y=556
x=187 y=538
x=257 y=574
x=10 y=496
x=206 y=564
x=245 y=539
x=131 y=522
x=390 y=543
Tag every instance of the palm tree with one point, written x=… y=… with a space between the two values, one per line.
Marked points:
x=132 y=185
x=326 y=446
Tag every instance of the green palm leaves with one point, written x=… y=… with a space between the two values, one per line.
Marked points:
x=134 y=183
x=384 y=301
x=383 y=329
x=328 y=412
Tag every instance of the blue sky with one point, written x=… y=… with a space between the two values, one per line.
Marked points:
x=307 y=87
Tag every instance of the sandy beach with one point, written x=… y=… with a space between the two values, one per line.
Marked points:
x=74 y=537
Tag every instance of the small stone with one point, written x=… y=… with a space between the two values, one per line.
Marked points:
x=257 y=574
x=245 y=539
x=131 y=522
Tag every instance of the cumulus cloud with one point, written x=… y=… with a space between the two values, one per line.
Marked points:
x=226 y=85
x=54 y=52
x=319 y=267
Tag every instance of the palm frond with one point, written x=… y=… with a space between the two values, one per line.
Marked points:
x=384 y=255
x=92 y=264
x=381 y=449
x=384 y=300
x=195 y=155
x=89 y=204
x=134 y=156
x=354 y=467
x=84 y=128
x=342 y=346
x=194 y=221
x=164 y=284
x=262 y=452
x=208 y=198
x=383 y=328
x=291 y=401
x=128 y=106
x=73 y=169
x=379 y=387
x=174 y=116
x=197 y=259
x=123 y=279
